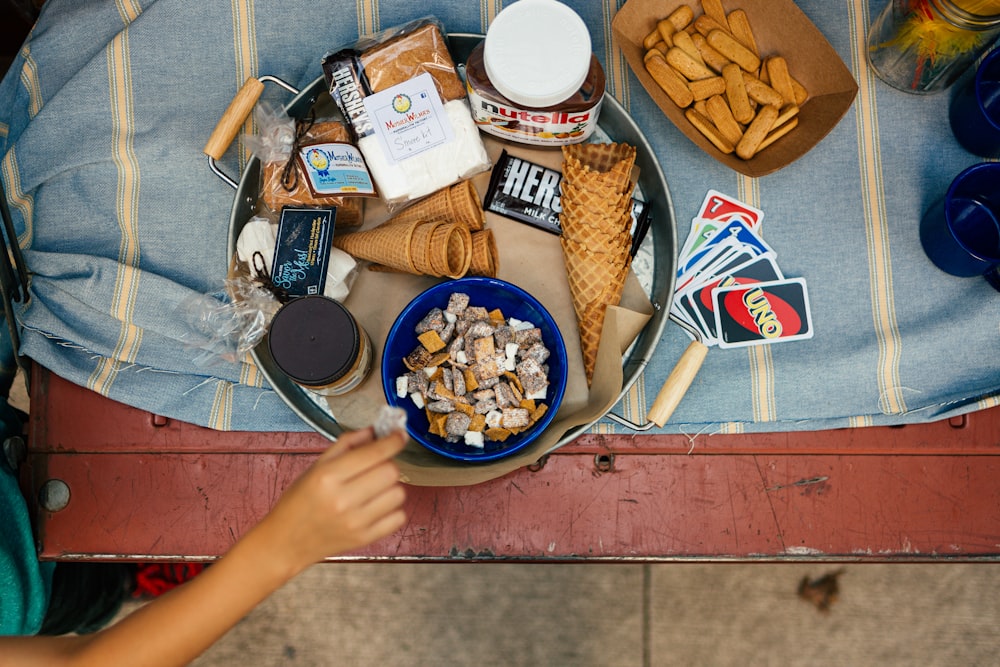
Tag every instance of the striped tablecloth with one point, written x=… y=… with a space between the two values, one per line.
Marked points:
x=106 y=110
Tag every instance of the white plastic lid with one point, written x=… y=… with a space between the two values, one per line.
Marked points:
x=537 y=52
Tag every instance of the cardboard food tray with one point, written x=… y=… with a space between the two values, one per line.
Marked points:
x=780 y=28
x=632 y=331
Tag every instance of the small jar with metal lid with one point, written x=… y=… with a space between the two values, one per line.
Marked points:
x=534 y=79
x=316 y=342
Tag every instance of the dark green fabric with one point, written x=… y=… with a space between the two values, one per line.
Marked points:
x=24 y=582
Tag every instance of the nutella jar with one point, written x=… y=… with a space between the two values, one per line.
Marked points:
x=534 y=79
x=316 y=342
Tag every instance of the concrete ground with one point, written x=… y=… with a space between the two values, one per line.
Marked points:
x=641 y=615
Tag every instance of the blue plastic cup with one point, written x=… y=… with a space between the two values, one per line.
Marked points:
x=975 y=109
x=961 y=232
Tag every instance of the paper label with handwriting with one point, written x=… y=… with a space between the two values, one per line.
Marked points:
x=409 y=118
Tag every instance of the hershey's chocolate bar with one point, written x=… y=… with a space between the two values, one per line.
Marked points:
x=346 y=82
x=529 y=193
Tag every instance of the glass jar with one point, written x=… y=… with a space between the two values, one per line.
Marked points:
x=316 y=342
x=923 y=46
x=534 y=79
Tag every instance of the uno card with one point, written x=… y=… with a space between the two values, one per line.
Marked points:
x=736 y=233
x=697 y=299
x=718 y=206
x=702 y=229
x=760 y=313
x=700 y=269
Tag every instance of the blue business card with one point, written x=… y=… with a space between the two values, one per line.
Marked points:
x=302 y=251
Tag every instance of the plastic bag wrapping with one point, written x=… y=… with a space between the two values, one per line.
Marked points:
x=255 y=252
x=225 y=325
x=406 y=106
x=277 y=143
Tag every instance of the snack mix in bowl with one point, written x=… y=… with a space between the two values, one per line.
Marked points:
x=479 y=366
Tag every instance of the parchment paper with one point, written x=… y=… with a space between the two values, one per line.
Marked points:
x=532 y=259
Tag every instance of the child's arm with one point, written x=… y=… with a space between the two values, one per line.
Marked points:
x=350 y=497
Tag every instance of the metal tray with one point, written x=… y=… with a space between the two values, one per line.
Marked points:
x=654 y=264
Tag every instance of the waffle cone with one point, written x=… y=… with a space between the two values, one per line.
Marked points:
x=607 y=164
x=467 y=205
x=454 y=242
x=596 y=280
x=387 y=244
x=485 y=260
x=618 y=245
x=428 y=257
x=582 y=224
x=457 y=203
x=599 y=201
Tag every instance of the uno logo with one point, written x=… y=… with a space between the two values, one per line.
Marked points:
x=763 y=313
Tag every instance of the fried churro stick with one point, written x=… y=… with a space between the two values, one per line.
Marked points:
x=714 y=10
x=683 y=41
x=715 y=60
x=784 y=116
x=681 y=17
x=760 y=92
x=651 y=39
x=705 y=24
x=666 y=30
x=777 y=134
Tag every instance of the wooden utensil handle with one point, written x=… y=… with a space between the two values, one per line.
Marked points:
x=677 y=383
x=233 y=118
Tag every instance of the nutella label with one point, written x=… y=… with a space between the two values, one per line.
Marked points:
x=533 y=126
x=335 y=169
x=529 y=193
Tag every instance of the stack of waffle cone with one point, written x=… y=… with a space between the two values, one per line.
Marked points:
x=596 y=222
x=459 y=202
x=442 y=235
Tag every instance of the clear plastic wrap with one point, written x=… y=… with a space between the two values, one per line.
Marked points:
x=225 y=325
x=407 y=108
x=255 y=252
x=280 y=143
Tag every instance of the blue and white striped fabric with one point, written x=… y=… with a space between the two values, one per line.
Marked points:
x=105 y=112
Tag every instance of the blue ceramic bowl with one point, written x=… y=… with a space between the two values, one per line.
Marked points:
x=489 y=293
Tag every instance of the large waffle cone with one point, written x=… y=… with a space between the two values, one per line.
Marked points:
x=602 y=202
x=596 y=280
x=607 y=164
x=387 y=244
x=604 y=253
x=598 y=231
x=456 y=203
